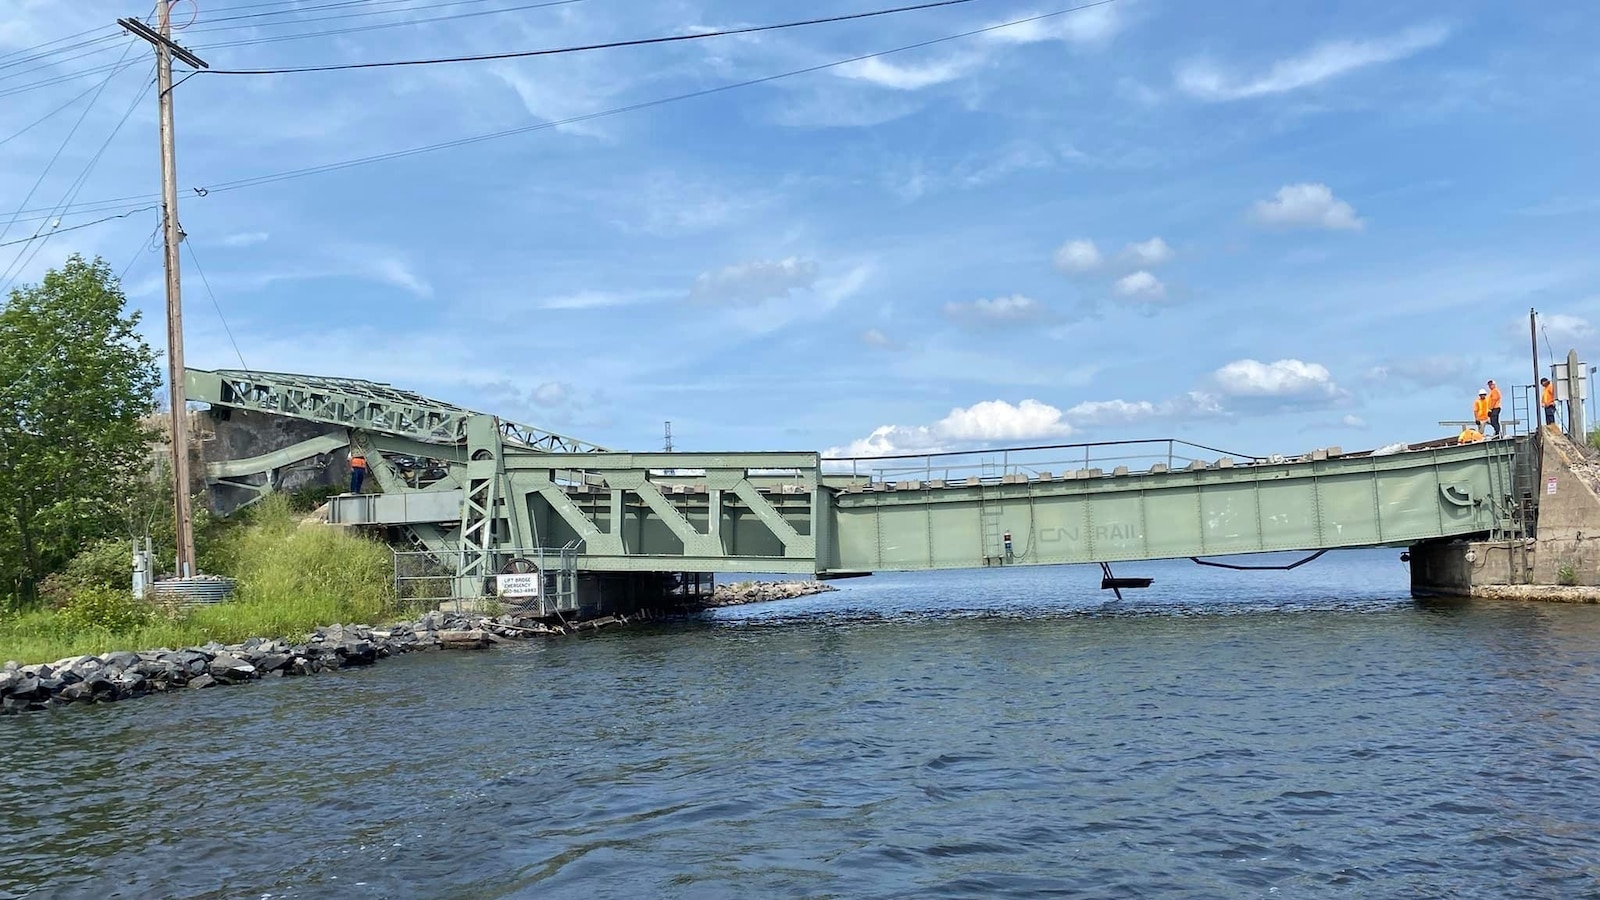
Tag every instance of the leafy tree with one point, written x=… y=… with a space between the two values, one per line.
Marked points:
x=76 y=380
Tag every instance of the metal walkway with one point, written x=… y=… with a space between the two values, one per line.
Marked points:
x=466 y=486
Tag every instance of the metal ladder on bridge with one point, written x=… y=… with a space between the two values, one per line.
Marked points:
x=989 y=513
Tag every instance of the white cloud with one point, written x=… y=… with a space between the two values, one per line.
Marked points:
x=395 y=271
x=1353 y=422
x=1207 y=81
x=1141 y=285
x=245 y=239
x=1000 y=310
x=551 y=393
x=1094 y=25
x=876 y=338
x=1307 y=206
x=984 y=422
x=1284 y=378
x=1112 y=412
x=1563 y=330
x=909 y=77
x=1149 y=253
x=1078 y=257
x=1427 y=371
x=755 y=281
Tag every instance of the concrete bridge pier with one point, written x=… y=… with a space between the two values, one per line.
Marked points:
x=1560 y=560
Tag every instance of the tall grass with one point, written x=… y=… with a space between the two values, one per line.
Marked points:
x=291 y=579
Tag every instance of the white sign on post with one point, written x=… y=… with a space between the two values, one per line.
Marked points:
x=519 y=586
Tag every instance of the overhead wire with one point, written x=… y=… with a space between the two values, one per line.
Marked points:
x=55 y=231
x=113 y=68
x=239 y=183
x=60 y=149
x=47 y=116
x=333 y=32
x=78 y=184
x=608 y=45
x=128 y=202
x=410 y=6
x=189 y=245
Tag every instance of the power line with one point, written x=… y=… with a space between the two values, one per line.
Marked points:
x=54 y=231
x=362 y=28
x=423 y=7
x=189 y=245
x=62 y=148
x=634 y=107
x=113 y=68
x=79 y=182
x=145 y=246
x=58 y=40
x=26 y=128
x=637 y=42
x=124 y=203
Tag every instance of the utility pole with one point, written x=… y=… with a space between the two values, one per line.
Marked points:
x=166 y=49
x=1535 y=409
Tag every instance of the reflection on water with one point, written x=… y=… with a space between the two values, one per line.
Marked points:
x=971 y=734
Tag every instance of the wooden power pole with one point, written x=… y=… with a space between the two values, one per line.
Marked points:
x=161 y=39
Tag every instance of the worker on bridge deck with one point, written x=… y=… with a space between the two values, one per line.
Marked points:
x=1480 y=410
x=358 y=471
x=1469 y=435
x=1494 y=407
x=1547 y=399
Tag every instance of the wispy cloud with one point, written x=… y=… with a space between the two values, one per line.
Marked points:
x=908 y=76
x=1013 y=310
x=1206 y=80
x=754 y=281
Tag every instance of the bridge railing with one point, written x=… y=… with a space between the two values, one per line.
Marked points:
x=994 y=466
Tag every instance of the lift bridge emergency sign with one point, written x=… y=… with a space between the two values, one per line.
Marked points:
x=521 y=585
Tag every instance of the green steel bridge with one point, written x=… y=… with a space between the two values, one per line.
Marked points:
x=480 y=494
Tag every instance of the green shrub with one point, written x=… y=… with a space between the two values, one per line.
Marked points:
x=104 y=609
x=1567 y=575
x=103 y=564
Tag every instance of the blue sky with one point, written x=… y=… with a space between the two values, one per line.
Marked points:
x=1262 y=226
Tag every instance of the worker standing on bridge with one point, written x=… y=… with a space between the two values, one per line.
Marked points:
x=1480 y=410
x=1547 y=399
x=1494 y=407
x=358 y=471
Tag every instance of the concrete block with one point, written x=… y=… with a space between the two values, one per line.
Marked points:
x=1225 y=463
x=1335 y=452
x=908 y=486
x=974 y=481
x=1319 y=455
x=1045 y=476
x=1119 y=471
x=1197 y=465
x=936 y=483
x=1069 y=475
x=1158 y=469
x=1013 y=479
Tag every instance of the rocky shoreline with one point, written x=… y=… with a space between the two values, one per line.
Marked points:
x=764 y=591
x=126 y=674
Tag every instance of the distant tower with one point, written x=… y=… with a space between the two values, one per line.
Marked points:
x=669 y=438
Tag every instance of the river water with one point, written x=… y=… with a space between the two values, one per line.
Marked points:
x=1312 y=733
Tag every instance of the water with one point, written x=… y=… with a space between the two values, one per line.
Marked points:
x=982 y=734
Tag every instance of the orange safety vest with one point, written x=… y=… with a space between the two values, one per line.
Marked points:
x=1548 y=396
x=1494 y=398
x=358 y=462
x=1480 y=409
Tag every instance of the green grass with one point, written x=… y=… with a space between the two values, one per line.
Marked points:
x=291 y=580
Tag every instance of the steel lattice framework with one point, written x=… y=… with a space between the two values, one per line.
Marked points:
x=361 y=405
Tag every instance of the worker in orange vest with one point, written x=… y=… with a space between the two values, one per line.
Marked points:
x=1480 y=410
x=1547 y=399
x=358 y=471
x=1494 y=407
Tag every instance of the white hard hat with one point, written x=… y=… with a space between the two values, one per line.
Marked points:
x=1482 y=392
